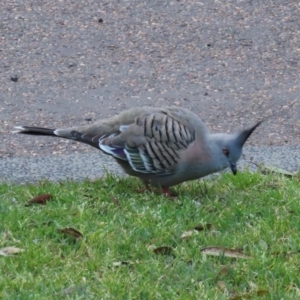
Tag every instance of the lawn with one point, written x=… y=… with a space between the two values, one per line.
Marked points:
x=114 y=247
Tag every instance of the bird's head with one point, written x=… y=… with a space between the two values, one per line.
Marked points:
x=230 y=146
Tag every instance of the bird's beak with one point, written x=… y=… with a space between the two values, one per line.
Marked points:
x=233 y=168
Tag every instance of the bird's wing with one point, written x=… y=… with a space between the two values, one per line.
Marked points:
x=151 y=144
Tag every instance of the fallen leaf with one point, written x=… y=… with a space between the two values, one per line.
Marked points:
x=115 y=201
x=204 y=227
x=122 y=263
x=227 y=252
x=187 y=234
x=7 y=251
x=285 y=254
x=40 y=199
x=249 y=295
x=262 y=292
x=265 y=169
x=163 y=250
x=200 y=227
x=221 y=285
x=151 y=247
x=263 y=245
x=223 y=272
x=71 y=232
x=238 y=297
x=47 y=223
x=72 y=290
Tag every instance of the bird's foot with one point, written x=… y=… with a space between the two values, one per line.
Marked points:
x=164 y=190
x=169 y=193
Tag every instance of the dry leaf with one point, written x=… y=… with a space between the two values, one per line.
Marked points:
x=223 y=272
x=72 y=290
x=7 y=251
x=285 y=254
x=122 y=263
x=262 y=293
x=221 y=285
x=200 y=227
x=40 y=199
x=71 y=232
x=265 y=169
x=164 y=250
x=115 y=201
x=263 y=245
x=240 y=297
x=152 y=247
x=250 y=295
x=187 y=234
x=222 y=251
x=204 y=227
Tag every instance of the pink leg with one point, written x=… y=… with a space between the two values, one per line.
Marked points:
x=168 y=193
x=164 y=190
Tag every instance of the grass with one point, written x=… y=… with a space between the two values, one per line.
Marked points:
x=115 y=259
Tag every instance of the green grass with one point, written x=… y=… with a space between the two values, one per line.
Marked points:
x=256 y=213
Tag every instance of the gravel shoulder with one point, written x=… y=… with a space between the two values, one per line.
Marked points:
x=94 y=164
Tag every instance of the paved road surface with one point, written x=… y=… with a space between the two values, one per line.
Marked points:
x=66 y=62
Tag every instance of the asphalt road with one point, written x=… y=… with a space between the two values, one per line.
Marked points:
x=72 y=62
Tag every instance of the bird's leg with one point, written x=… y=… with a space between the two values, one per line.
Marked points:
x=168 y=192
x=164 y=190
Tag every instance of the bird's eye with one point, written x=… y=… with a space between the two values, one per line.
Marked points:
x=226 y=152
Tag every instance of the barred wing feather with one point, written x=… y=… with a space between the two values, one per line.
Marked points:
x=163 y=138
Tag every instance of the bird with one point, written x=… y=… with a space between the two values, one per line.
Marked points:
x=163 y=147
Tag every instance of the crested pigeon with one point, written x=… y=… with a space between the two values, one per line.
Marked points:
x=161 y=146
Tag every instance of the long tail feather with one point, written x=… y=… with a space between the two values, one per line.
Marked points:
x=34 y=130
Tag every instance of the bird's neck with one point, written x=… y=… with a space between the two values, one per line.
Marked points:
x=215 y=148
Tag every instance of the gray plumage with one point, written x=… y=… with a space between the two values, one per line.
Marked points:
x=161 y=146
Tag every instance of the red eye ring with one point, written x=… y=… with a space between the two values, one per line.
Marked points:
x=226 y=152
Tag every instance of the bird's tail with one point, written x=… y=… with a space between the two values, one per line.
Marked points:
x=34 y=130
x=66 y=134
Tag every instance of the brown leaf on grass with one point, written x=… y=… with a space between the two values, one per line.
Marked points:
x=267 y=169
x=263 y=245
x=222 y=251
x=239 y=297
x=221 y=285
x=285 y=254
x=187 y=234
x=48 y=223
x=7 y=251
x=262 y=292
x=207 y=226
x=72 y=290
x=123 y=263
x=259 y=293
x=116 y=201
x=71 y=232
x=198 y=228
x=163 y=250
x=223 y=272
x=40 y=199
